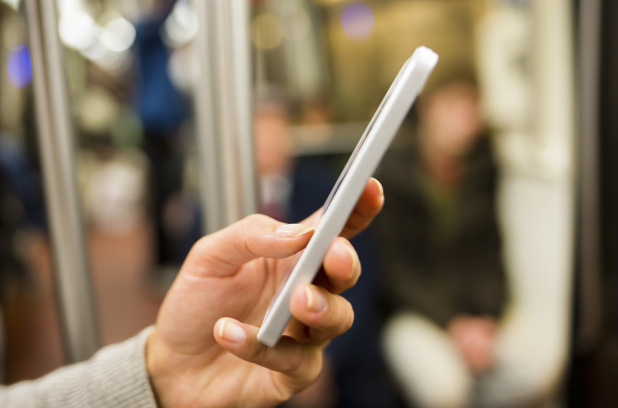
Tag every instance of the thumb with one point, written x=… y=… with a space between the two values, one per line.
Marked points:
x=222 y=253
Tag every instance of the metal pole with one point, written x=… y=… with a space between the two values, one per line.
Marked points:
x=224 y=99
x=589 y=179
x=56 y=151
x=206 y=116
x=222 y=53
x=243 y=105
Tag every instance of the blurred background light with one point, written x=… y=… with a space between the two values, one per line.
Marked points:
x=266 y=31
x=12 y=3
x=96 y=52
x=182 y=25
x=117 y=33
x=358 y=20
x=329 y=3
x=78 y=29
x=107 y=59
x=19 y=68
x=296 y=22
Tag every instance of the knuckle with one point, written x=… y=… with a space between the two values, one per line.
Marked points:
x=260 y=353
x=341 y=320
x=247 y=248
x=200 y=244
x=248 y=229
x=344 y=318
x=294 y=361
x=255 y=219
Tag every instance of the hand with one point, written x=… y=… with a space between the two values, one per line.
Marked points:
x=204 y=350
x=475 y=337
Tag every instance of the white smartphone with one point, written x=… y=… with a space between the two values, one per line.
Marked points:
x=349 y=187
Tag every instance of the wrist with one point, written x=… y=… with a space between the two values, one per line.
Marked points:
x=159 y=371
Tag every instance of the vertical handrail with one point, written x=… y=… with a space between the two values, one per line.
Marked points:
x=206 y=116
x=56 y=151
x=224 y=113
x=589 y=49
x=241 y=35
x=228 y=126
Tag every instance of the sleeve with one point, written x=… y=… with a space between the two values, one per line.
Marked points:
x=114 y=377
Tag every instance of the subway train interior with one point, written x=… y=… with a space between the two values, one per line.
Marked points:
x=129 y=129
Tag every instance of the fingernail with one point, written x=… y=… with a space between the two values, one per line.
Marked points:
x=353 y=257
x=293 y=230
x=231 y=332
x=379 y=187
x=315 y=300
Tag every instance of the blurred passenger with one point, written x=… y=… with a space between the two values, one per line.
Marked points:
x=21 y=208
x=445 y=284
x=22 y=220
x=112 y=175
x=162 y=110
x=291 y=189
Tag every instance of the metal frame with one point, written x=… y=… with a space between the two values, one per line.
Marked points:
x=56 y=145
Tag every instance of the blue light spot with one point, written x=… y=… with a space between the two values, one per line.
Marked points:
x=19 y=67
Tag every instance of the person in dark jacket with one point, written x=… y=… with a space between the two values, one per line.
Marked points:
x=444 y=281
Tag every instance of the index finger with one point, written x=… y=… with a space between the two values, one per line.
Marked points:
x=368 y=206
x=223 y=252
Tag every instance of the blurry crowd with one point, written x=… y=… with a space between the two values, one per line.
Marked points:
x=434 y=287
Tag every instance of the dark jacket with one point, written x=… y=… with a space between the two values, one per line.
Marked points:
x=447 y=272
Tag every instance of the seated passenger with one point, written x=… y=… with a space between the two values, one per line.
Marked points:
x=444 y=280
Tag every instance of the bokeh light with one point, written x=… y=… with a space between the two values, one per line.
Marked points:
x=266 y=31
x=296 y=23
x=12 y=3
x=117 y=34
x=19 y=67
x=358 y=20
x=182 y=25
x=78 y=29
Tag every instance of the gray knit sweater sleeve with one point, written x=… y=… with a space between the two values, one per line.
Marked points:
x=114 y=377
